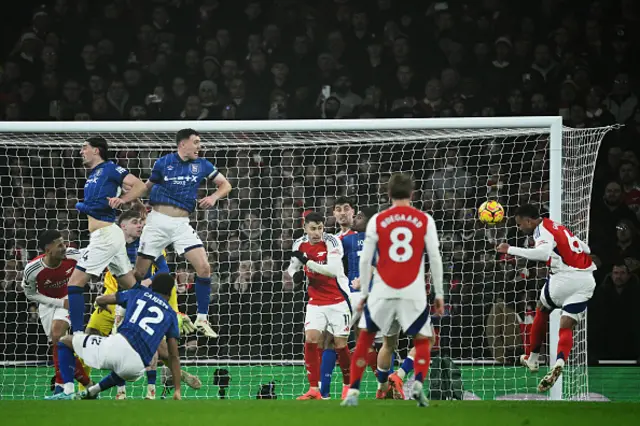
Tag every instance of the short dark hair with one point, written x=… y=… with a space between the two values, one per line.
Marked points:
x=47 y=237
x=620 y=263
x=128 y=215
x=369 y=212
x=185 y=134
x=343 y=200
x=528 y=210
x=400 y=186
x=102 y=145
x=314 y=217
x=163 y=283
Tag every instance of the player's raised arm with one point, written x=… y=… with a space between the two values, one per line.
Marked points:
x=432 y=246
x=137 y=189
x=366 y=257
x=530 y=222
x=223 y=185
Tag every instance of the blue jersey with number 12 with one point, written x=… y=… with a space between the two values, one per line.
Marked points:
x=104 y=182
x=147 y=320
x=176 y=181
x=352 y=245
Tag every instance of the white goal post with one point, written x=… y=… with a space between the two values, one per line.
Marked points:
x=511 y=143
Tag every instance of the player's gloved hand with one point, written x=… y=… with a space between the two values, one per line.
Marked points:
x=300 y=256
x=185 y=324
x=298 y=277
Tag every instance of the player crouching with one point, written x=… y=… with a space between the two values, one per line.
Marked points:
x=319 y=256
x=148 y=319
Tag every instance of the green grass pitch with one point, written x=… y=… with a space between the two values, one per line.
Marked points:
x=311 y=413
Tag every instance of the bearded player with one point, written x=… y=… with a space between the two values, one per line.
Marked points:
x=397 y=239
x=569 y=287
x=173 y=190
x=45 y=282
x=319 y=256
x=106 y=244
x=102 y=320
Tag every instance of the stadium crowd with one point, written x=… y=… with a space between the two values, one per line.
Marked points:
x=214 y=60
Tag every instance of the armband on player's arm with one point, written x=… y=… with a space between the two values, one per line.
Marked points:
x=34 y=296
x=435 y=258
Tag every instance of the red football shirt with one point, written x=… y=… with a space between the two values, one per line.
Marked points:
x=51 y=282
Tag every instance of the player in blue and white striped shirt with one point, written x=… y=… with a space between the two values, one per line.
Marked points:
x=107 y=242
x=173 y=185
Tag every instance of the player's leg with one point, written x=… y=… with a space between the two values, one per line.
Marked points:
x=396 y=379
x=45 y=313
x=77 y=282
x=328 y=357
x=152 y=372
x=539 y=327
x=198 y=259
x=339 y=326
x=315 y=323
x=85 y=346
x=187 y=378
x=385 y=355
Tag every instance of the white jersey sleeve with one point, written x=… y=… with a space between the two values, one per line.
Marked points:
x=435 y=258
x=30 y=286
x=366 y=255
x=295 y=265
x=544 y=245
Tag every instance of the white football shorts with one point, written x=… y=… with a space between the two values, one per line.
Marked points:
x=569 y=291
x=162 y=231
x=336 y=319
x=112 y=353
x=107 y=248
x=389 y=316
x=48 y=314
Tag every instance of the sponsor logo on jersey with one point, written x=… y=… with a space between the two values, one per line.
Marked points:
x=321 y=253
x=169 y=167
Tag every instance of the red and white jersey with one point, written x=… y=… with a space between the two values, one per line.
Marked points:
x=343 y=234
x=50 y=282
x=399 y=237
x=568 y=253
x=323 y=289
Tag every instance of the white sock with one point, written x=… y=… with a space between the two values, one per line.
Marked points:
x=94 y=390
x=354 y=392
x=401 y=373
x=384 y=385
x=417 y=386
x=560 y=362
x=151 y=387
x=203 y=317
x=122 y=389
x=69 y=388
x=533 y=357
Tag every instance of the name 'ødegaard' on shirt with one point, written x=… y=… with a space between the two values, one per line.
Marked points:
x=176 y=181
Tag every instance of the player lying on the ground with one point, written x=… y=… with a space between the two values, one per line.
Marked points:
x=102 y=321
x=148 y=319
x=45 y=282
x=106 y=244
x=569 y=287
x=319 y=256
x=397 y=239
x=173 y=191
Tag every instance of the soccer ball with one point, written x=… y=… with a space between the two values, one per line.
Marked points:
x=491 y=212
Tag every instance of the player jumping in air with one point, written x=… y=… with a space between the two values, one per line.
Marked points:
x=397 y=298
x=45 y=282
x=102 y=321
x=106 y=244
x=319 y=256
x=173 y=187
x=148 y=319
x=569 y=287
x=343 y=213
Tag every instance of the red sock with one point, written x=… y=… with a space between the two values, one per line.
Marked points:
x=80 y=374
x=538 y=330
x=320 y=350
x=565 y=343
x=372 y=360
x=422 y=359
x=359 y=359
x=56 y=365
x=312 y=362
x=344 y=359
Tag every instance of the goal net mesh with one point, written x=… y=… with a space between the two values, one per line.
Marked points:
x=276 y=177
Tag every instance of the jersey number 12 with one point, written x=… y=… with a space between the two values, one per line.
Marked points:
x=145 y=321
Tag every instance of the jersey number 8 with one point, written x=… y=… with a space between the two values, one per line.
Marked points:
x=146 y=320
x=401 y=250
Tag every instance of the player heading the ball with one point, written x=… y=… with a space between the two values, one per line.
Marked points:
x=173 y=186
x=397 y=238
x=569 y=287
x=102 y=196
x=148 y=319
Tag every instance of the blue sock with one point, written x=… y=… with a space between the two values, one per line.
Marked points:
x=151 y=377
x=393 y=362
x=326 y=371
x=110 y=381
x=136 y=286
x=76 y=308
x=383 y=375
x=66 y=362
x=203 y=291
x=407 y=365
